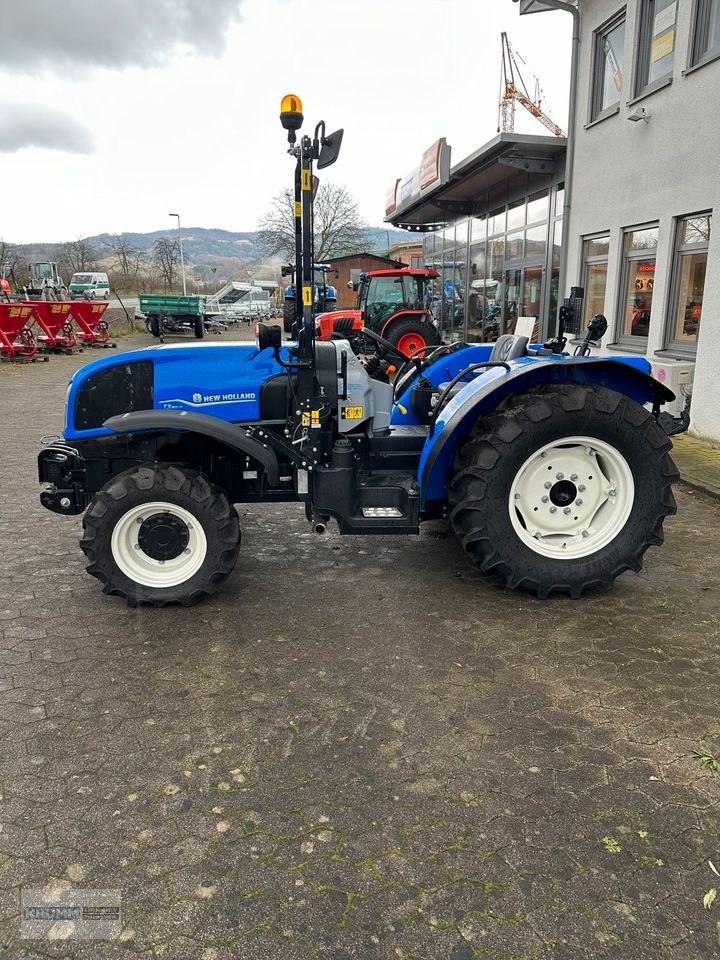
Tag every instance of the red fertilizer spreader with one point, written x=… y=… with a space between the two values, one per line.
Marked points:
x=16 y=337
x=88 y=314
x=55 y=320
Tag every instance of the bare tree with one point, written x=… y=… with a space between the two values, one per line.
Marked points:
x=77 y=255
x=338 y=227
x=129 y=260
x=166 y=255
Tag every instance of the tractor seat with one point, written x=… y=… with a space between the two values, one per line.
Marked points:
x=508 y=347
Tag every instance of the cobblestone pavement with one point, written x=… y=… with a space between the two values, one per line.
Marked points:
x=360 y=748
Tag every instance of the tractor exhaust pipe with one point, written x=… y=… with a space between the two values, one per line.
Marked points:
x=319 y=528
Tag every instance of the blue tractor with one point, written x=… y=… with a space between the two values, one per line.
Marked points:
x=553 y=470
x=324 y=294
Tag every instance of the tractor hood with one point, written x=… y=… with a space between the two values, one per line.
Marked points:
x=221 y=380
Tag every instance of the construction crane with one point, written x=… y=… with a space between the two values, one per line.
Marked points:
x=513 y=90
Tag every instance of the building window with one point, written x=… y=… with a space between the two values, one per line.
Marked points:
x=595 y=267
x=706 y=35
x=638 y=283
x=688 y=282
x=656 y=48
x=609 y=54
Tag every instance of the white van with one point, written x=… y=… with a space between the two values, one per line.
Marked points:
x=89 y=286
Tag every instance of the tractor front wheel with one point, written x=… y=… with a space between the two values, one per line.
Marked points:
x=159 y=535
x=562 y=489
x=410 y=334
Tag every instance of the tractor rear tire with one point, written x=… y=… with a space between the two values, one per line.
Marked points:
x=199 y=327
x=288 y=316
x=154 y=325
x=158 y=535
x=409 y=335
x=562 y=489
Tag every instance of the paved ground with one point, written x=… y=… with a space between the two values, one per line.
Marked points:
x=699 y=463
x=360 y=748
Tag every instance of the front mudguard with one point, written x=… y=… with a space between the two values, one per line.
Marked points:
x=484 y=393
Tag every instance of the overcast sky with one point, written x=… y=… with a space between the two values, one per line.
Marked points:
x=114 y=113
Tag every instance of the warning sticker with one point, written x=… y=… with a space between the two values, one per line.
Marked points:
x=352 y=413
x=307 y=296
x=306 y=181
x=311 y=418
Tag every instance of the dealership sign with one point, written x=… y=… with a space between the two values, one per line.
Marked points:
x=433 y=171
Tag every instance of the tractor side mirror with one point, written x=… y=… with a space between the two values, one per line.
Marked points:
x=597 y=328
x=330 y=149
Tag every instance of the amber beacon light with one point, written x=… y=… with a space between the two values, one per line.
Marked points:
x=291 y=116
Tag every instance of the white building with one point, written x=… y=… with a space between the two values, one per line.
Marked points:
x=643 y=182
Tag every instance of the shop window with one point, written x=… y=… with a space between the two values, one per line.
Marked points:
x=514 y=246
x=656 y=45
x=595 y=267
x=608 y=62
x=496 y=222
x=416 y=261
x=706 y=32
x=687 y=288
x=537 y=208
x=478 y=229
x=516 y=215
x=638 y=284
x=535 y=242
x=428 y=246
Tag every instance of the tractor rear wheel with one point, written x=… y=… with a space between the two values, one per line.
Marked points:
x=153 y=324
x=288 y=315
x=562 y=489
x=158 y=535
x=410 y=334
x=199 y=327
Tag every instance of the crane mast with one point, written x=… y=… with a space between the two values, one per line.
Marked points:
x=513 y=91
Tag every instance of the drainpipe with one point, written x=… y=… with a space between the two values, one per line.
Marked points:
x=569 y=7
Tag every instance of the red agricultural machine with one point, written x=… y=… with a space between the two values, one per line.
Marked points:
x=50 y=325
x=393 y=303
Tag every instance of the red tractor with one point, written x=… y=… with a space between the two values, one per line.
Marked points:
x=393 y=303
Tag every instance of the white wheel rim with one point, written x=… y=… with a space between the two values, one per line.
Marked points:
x=132 y=560
x=554 y=526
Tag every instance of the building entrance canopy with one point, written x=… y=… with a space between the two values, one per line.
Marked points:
x=481 y=181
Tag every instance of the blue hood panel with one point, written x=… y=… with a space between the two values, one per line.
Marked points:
x=221 y=380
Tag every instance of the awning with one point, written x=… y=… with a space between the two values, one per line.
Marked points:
x=505 y=157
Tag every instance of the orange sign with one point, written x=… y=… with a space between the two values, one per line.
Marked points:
x=430 y=164
x=391 y=198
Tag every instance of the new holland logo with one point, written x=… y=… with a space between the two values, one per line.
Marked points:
x=200 y=398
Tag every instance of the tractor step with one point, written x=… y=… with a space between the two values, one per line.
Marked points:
x=386 y=504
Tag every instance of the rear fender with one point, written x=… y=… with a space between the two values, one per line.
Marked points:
x=629 y=377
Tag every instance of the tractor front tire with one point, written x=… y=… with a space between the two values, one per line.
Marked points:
x=409 y=334
x=158 y=535
x=562 y=489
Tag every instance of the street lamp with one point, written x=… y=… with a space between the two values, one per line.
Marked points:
x=182 y=259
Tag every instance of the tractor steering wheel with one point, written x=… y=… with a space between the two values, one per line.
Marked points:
x=385 y=344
